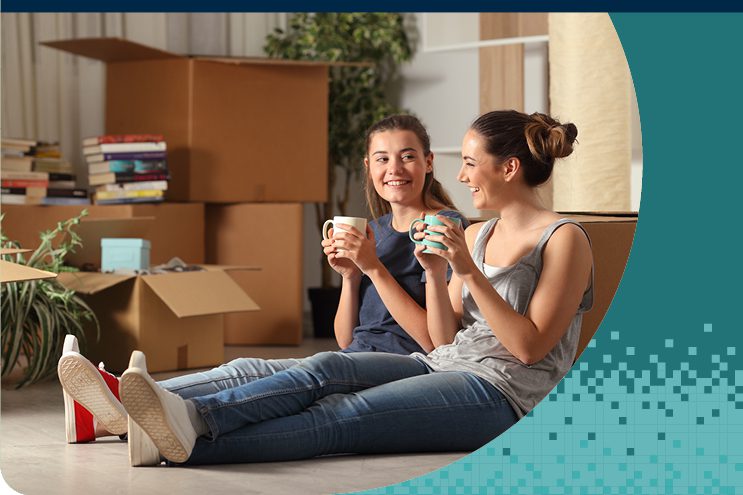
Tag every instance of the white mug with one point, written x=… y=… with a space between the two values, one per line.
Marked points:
x=358 y=223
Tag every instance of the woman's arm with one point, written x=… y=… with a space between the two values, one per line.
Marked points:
x=443 y=303
x=567 y=263
x=407 y=313
x=347 y=316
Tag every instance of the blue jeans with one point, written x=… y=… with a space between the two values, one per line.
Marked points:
x=230 y=375
x=362 y=403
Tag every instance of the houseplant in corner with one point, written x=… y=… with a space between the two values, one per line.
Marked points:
x=374 y=44
x=37 y=314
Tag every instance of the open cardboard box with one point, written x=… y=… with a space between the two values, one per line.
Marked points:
x=221 y=117
x=15 y=272
x=176 y=319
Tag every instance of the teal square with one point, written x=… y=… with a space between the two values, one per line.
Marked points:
x=731 y=351
x=614 y=335
x=692 y=351
x=630 y=351
x=708 y=328
x=653 y=358
x=607 y=358
x=669 y=343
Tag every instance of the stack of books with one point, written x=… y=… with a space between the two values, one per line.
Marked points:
x=35 y=173
x=127 y=168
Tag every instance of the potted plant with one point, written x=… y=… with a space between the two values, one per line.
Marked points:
x=373 y=44
x=37 y=314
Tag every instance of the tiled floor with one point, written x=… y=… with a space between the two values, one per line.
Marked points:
x=34 y=457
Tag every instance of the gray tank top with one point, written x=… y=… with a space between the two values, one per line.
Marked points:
x=477 y=350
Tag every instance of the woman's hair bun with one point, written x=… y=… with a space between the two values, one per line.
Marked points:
x=548 y=139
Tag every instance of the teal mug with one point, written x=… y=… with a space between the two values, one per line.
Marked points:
x=430 y=220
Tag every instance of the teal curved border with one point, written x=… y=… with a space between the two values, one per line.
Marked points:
x=655 y=405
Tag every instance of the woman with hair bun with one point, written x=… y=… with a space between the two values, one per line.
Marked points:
x=504 y=332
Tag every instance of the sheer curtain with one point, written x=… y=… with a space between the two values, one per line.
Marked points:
x=51 y=96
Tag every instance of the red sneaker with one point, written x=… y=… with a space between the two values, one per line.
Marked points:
x=90 y=394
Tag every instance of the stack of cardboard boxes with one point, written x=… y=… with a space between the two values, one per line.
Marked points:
x=247 y=145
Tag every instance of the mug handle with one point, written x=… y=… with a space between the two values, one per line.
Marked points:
x=325 y=229
x=410 y=230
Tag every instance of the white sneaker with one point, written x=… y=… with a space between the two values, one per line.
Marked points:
x=91 y=387
x=142 y=452
x=161 y=414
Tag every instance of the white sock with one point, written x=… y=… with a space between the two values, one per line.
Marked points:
x=198 y=423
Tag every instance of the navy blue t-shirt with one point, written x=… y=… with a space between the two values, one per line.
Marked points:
x=378 y=330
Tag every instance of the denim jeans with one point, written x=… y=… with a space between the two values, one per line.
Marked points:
x=363 y=403
x=229 y=375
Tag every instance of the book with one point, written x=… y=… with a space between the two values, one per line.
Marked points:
x=15 y=152
x=56 y=165
x=133 y=155
x=66 y=193
x=123 y=201
x=134 y=186
x=25 y=176
x=20 y=199
x=16 y=163
x=127 y=166
x=62 y=184
x=125 y=147
x=122 y=138
x=24 y=183
x=61 y=181
x=53 y=200
x=36 y=192
x=30 y=143
x=61 y=176
x=114 y=177
x=145 y=193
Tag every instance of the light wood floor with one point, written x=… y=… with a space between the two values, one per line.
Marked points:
x=34 y=458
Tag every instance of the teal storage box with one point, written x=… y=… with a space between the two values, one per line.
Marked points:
x=124 y=254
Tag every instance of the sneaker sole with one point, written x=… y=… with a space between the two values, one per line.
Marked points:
x=145 y=409
x=142 y=452
x=82 y=381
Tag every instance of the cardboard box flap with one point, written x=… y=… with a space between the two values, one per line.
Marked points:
x=279 y=61
x=231 y=268
x=110 y=49
x=91 y=282
x=5 y=251
x=13 y=272
x=596 y=216
x=200 y=293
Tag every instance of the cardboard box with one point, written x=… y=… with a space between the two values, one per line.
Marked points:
x=269 y=236
x=176 y=319
x=14 y=272
x=174 y=229
x=238 y=129
x=611 y=239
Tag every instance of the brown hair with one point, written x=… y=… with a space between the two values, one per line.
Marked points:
x=434 y=194
x=536 y=140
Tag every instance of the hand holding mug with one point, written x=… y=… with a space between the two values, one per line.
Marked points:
x=444 y=237
x=352 y=240
x=356 y=246
x=344 y=267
